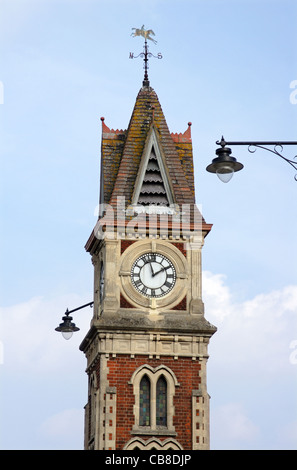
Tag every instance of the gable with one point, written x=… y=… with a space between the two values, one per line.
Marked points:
x=152 y=186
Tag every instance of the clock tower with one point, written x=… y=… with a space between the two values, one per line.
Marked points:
x=147 y=346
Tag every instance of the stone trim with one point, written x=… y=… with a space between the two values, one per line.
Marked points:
x=152 y=443
x=153 y=345
x=154 y=374
x=110 y=418
x=200 y=407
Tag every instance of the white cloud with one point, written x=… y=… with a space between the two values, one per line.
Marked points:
x=68 y=423
x=233 y=424
x=28 y=337
x=217 y=295
x=260 y=329
x=251 y=371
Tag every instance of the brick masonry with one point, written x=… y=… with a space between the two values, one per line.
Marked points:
x=186 y=370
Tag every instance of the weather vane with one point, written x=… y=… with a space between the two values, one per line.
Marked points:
x=146 y=33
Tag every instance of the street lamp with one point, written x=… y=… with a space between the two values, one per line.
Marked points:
x=67 y=328
x=225 y=166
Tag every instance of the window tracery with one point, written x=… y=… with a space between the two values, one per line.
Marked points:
x=154 y=389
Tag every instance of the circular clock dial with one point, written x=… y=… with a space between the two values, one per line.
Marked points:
x=153 y=275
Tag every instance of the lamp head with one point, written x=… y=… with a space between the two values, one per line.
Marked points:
x=224 y=165
x=67 y=328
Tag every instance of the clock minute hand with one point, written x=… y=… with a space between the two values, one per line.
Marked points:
x=163 y=269
x=153 y=274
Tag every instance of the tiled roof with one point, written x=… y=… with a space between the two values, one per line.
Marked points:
x=112 y=146
x=122 y=152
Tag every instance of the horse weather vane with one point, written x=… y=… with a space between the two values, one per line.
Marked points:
x=146 y=33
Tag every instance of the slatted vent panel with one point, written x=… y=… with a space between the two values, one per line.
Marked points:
x=153 y=190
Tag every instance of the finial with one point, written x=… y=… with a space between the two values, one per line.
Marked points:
x=146 y=33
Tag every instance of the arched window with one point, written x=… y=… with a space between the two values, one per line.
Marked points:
x=154 y=390
x=161 y=402
x=145 y=402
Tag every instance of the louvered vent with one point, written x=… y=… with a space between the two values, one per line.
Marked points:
x=153 y=190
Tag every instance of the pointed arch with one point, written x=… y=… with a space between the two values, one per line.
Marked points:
x=161 y=401
x=152 y=185
x=145 y=401
x=163 y=383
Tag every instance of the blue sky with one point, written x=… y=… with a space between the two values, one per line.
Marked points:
x=227 y=67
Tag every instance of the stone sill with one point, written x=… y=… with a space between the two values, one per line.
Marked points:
x=143 y=431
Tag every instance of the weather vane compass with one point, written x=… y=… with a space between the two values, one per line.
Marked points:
x=146 y=33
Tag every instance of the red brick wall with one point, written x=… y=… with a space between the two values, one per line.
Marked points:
x=186 y=370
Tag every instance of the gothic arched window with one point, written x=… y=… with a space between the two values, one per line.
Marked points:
x=145 y=402
x=154 y=390
x=161 y=402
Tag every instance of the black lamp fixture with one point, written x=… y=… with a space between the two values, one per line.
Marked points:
x=67 y=328
x=225 y=166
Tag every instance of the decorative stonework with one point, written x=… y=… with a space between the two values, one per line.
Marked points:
x=110 y=418
x=166 y=249
x=200 y=420
x=154 y=374
x=152 y=345
x=152 y=443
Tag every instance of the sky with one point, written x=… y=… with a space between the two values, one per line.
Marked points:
x=229 y=67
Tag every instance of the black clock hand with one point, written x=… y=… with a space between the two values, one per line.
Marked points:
x=163 y=269
x=153 y=274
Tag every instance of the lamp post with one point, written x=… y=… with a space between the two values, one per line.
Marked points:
x=225 y=166
x=67 y=328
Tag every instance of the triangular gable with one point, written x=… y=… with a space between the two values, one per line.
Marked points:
x=152 y=186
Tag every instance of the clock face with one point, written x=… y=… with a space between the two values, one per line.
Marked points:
x=153 y=275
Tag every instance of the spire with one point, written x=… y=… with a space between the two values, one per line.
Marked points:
x=146 y=33
x=145 y=165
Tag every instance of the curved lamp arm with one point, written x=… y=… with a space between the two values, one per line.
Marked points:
x=67 y=328
x=225 y=165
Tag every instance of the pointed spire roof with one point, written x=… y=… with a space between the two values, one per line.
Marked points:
x=146 y=162
x=148 y=114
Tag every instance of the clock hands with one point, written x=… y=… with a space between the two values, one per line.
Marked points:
x=163 y=269
x=152 y=270
x=153 y=274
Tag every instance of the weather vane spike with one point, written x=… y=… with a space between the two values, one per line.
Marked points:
x=146 y=33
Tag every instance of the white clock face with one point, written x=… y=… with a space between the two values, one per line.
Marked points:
x=153 y=275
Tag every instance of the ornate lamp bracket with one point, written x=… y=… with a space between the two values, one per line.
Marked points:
x=67 y=328
x=275 y=147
